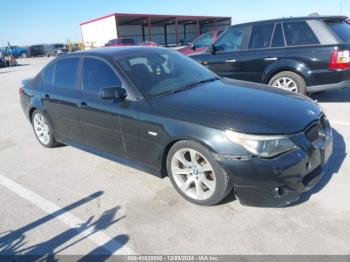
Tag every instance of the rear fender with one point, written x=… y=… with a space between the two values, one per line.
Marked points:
x=286 y=65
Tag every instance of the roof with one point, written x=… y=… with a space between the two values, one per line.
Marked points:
x=296 y=19
x=119 y=51
x=125 y=18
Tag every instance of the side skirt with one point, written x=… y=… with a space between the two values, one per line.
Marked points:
x=120 y=160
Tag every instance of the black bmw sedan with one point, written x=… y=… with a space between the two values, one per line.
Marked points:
x=155 y=109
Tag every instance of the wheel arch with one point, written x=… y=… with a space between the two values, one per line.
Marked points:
x=171 y=143
x=287 y=65
x=30 y=113
x=34 y=104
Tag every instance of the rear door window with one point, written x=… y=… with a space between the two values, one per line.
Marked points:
x=66 y=73
x=260 y=36
x=299 y=33
x=340 y=27
x=278 y=39
x=97 y=75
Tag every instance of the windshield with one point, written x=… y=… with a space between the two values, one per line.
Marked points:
x=163 y=71
x=204 y=40
x=341 y=28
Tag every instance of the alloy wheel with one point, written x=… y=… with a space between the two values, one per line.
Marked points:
x=193 y=174
x=41 y=128
x=286 y=83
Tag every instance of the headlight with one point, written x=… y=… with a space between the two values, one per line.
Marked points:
x=264 y=146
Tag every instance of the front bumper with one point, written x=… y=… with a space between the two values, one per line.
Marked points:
x=279 y=181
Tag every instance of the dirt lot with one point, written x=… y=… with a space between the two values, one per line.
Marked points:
x=66 y=201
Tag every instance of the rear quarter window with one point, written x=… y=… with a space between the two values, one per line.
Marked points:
x=299 y=33
x=340 y=27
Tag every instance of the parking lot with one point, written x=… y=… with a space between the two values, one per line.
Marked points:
x=66 y=201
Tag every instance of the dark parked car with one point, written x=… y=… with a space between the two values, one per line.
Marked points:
x=158 y=109
x=3 y=62
x=304 y=55
x=37 y=50
x=121 y=42
x=55 y=50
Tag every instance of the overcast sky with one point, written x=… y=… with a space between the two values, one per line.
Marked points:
x=25 y=22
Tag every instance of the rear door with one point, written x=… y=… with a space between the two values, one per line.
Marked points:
x=60 y=98
x=226 y=60
x=266 y=47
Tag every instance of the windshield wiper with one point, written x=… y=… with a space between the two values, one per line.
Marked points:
x=188 y=86
x=199 y=83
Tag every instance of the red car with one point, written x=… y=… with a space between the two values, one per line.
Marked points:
x=201 y=43
x=148 y=43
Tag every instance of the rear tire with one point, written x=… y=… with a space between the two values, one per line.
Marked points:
x=289 y=81
x=196 y=175
x=43 y=130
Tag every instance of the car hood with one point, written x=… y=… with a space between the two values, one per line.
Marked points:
x=189 y=51
x=241 y=106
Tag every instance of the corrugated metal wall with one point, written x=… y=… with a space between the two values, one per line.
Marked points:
x=160 y=34
x=132 y=31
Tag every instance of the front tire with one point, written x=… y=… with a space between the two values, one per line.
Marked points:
x=43 y=130
x=196 y=175
x=289 y=81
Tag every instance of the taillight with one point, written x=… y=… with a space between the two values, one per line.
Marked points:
x=340 y=60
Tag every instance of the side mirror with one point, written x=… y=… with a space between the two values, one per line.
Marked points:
x=112 y=93
x=212 y=49
x=191 y=45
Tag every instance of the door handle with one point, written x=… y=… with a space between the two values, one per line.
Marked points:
x=83 y=105
x=231 y=61
x=46 y=96
x=271 y=58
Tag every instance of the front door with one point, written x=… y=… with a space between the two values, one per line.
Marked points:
x=108 y=125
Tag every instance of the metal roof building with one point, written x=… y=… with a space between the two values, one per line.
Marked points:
x=162 y=29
